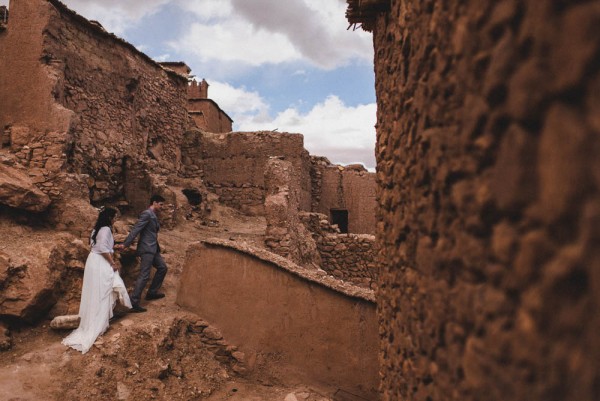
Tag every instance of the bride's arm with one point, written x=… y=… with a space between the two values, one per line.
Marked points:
x=104 y=242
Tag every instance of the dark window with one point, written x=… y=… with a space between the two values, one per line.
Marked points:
x=193 y=196
x=340 y=217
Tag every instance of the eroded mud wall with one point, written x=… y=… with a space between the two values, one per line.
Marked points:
x=488 y=139
x=233 y=166
x=76 y=98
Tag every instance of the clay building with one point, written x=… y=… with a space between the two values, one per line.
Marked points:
x=205 y=112
x=488 y=190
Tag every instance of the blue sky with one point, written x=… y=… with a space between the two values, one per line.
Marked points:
x=288 y=65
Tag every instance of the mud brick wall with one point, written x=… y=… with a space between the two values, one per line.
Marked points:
x=233 y=166
x=77 y=98
x=350 y=188
x=489 y=220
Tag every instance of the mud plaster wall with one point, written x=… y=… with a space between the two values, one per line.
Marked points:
x=354 y=191
x=309 y=331
x=233 y=166
x=209 y=116
x=488 y=176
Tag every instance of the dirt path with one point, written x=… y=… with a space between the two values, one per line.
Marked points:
x=156 y=355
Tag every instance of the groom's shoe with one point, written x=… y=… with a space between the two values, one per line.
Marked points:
x=137 y=309
x=156 y=295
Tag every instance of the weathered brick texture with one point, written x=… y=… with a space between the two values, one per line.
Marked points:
x=233 y=166
x=487 y=156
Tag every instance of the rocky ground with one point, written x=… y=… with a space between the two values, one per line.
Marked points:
x=164 y=354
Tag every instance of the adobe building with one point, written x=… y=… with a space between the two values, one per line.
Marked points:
x=488 y=134
x=205 y=112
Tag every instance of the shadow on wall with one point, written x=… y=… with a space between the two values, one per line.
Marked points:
x=316 y=333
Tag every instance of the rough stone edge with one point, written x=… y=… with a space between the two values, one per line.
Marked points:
x=98 y=29
x=287 y=265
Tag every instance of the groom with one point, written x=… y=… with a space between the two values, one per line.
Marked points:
x=148 y=250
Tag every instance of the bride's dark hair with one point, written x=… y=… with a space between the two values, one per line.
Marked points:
x=104 y=220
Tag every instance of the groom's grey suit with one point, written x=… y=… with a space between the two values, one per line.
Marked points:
x=148 y=250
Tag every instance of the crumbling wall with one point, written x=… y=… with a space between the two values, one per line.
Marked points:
x=350 y=188
x=286 y=235
x=349 y=257
x=77 y=98
x=487 y=158
x=233 y=166
x=127 y=105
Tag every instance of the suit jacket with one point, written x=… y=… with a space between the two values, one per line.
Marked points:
x=147 y=227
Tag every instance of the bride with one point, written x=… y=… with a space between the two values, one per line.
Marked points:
x=102 y=286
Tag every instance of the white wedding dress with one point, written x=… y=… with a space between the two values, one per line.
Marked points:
x=102 y=288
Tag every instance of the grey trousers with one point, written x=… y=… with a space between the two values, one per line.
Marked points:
x=147 y=260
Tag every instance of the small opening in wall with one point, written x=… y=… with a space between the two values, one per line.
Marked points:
x=3 y=17
x=5 y=137
x=193 y=196
x=340 y=217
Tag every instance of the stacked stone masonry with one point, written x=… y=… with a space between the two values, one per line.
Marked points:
x=487 y=169
x=89 y=104
x=349 y=257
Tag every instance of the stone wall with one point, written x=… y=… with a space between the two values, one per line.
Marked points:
x=233 y=166
x=349 y=257
x=77 y=98
x=487 y=157
x=127 y=105
x=350 y=188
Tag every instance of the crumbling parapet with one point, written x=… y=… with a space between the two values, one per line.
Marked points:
x=286 y=235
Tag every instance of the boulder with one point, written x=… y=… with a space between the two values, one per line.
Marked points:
x=18 y=191
x=41 y=277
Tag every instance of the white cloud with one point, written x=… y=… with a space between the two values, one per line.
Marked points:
x=237 y=101
x=235 y=40
x=318 y=31
x=207 y=10
x=344 y=134
x=116 y=15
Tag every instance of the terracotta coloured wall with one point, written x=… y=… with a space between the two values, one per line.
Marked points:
x=233 y=166
x=350 y=189
x=93 y=95
x=287 y=325
x=208 y=116
x=489 y=204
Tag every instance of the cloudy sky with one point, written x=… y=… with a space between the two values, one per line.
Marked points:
x=288 y=65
